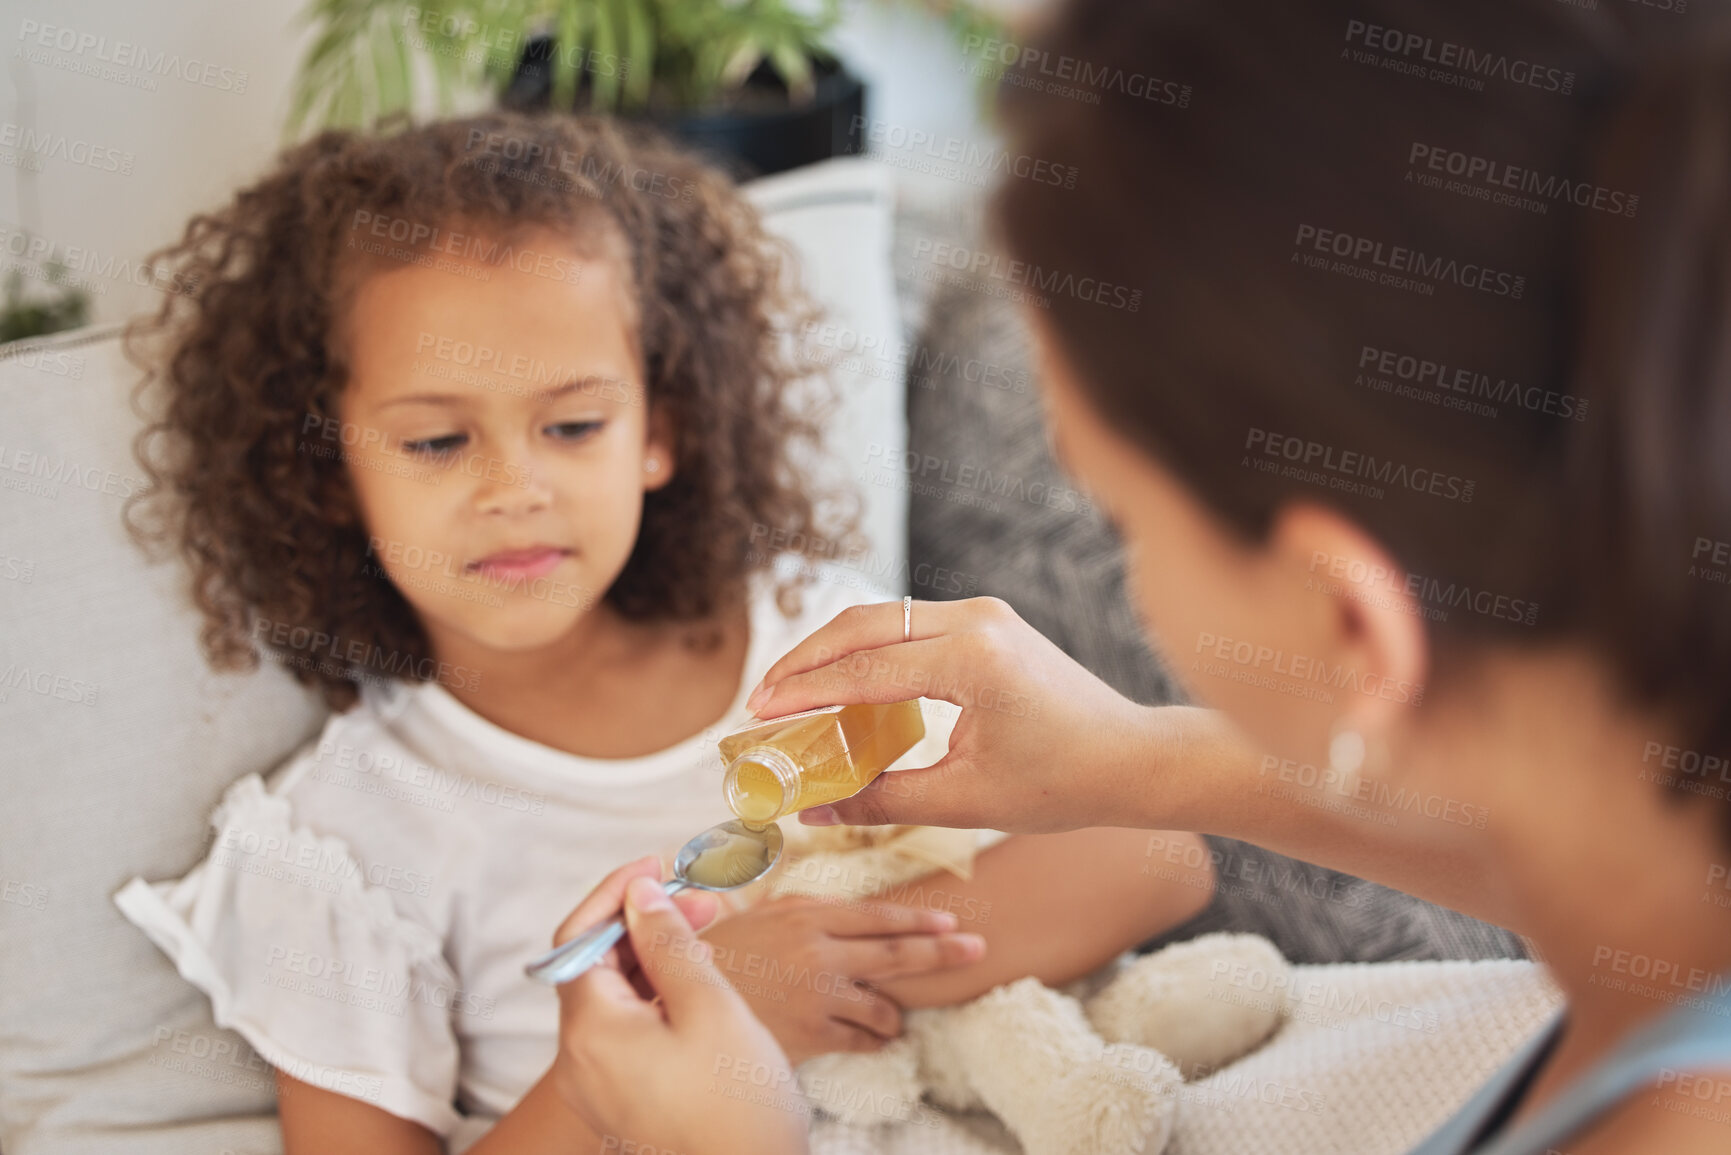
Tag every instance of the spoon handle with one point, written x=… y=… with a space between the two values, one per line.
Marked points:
x=570 y=959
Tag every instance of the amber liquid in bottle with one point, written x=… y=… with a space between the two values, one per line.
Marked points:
x=786 y=764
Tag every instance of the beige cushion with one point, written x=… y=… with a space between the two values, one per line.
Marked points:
x=117 y=742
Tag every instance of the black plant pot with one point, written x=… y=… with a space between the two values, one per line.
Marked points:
x=761 y=131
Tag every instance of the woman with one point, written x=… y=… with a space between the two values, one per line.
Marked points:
x=1415 y=441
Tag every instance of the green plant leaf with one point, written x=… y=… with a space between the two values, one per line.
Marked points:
x=741 y=62
x=568 y=45
x=406 y=62
x=448 y=71
x=688 y=52
x=499 y=55
x=346 y=106
x=389 y=66
x=638 y=64
x=322 y=67
x=793 y=63
x=609 y=29
x=709 y=54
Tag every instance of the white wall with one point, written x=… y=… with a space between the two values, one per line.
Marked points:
x=129 y=162
x=187 y=143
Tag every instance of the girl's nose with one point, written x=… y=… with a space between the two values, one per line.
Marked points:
x=510 y=487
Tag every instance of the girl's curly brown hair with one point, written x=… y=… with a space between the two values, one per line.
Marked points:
x=250 y=354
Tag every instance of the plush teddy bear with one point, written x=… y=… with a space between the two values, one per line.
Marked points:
x=1095 y=1069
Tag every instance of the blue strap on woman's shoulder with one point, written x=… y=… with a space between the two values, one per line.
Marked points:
x=1691 y=1038
x=1455 y=1136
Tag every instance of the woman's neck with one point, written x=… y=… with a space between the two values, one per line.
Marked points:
x=1612 y=873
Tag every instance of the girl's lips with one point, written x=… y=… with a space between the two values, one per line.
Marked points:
x=521 y=563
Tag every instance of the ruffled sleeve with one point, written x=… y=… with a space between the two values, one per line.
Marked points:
x=321 y=972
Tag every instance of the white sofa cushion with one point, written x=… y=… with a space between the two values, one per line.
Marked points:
x=838 y=217
x=118 y=740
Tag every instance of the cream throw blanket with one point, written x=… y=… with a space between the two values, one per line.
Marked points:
x=1354 y=1059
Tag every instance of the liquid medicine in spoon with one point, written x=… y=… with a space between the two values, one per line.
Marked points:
x=739 y=859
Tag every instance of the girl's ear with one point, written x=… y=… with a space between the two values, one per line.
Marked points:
x=658 y=449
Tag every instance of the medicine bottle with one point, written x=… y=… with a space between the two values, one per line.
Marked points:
x=786 y=764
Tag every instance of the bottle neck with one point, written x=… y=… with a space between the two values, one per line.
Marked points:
x=783 y=770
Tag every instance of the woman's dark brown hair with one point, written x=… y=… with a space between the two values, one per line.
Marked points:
x=251 y=358
x=1481 y=241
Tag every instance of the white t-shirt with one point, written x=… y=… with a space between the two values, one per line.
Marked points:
x=364 y=916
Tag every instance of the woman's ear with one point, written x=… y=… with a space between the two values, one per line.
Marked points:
x=1371 y=623
x=658 y=449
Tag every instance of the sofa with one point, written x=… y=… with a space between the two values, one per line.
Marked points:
x=119 y=739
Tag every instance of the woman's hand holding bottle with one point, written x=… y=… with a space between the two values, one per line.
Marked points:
x=1041 y=745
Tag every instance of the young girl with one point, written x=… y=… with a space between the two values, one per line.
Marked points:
x=473 y=427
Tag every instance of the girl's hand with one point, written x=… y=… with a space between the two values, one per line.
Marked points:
x=656 y=1051
x=808 y=969
x=1041 y=744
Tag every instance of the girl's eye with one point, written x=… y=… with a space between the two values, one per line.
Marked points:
x=574 y=430
x=436 y=446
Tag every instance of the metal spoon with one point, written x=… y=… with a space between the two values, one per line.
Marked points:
x=570 y=959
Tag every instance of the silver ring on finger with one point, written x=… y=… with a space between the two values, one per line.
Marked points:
x=908 y=618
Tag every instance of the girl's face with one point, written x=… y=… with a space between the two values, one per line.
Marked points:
x=498 y=439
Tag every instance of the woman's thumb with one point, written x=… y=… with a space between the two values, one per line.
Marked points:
x=916 y=797
x=675 y=961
